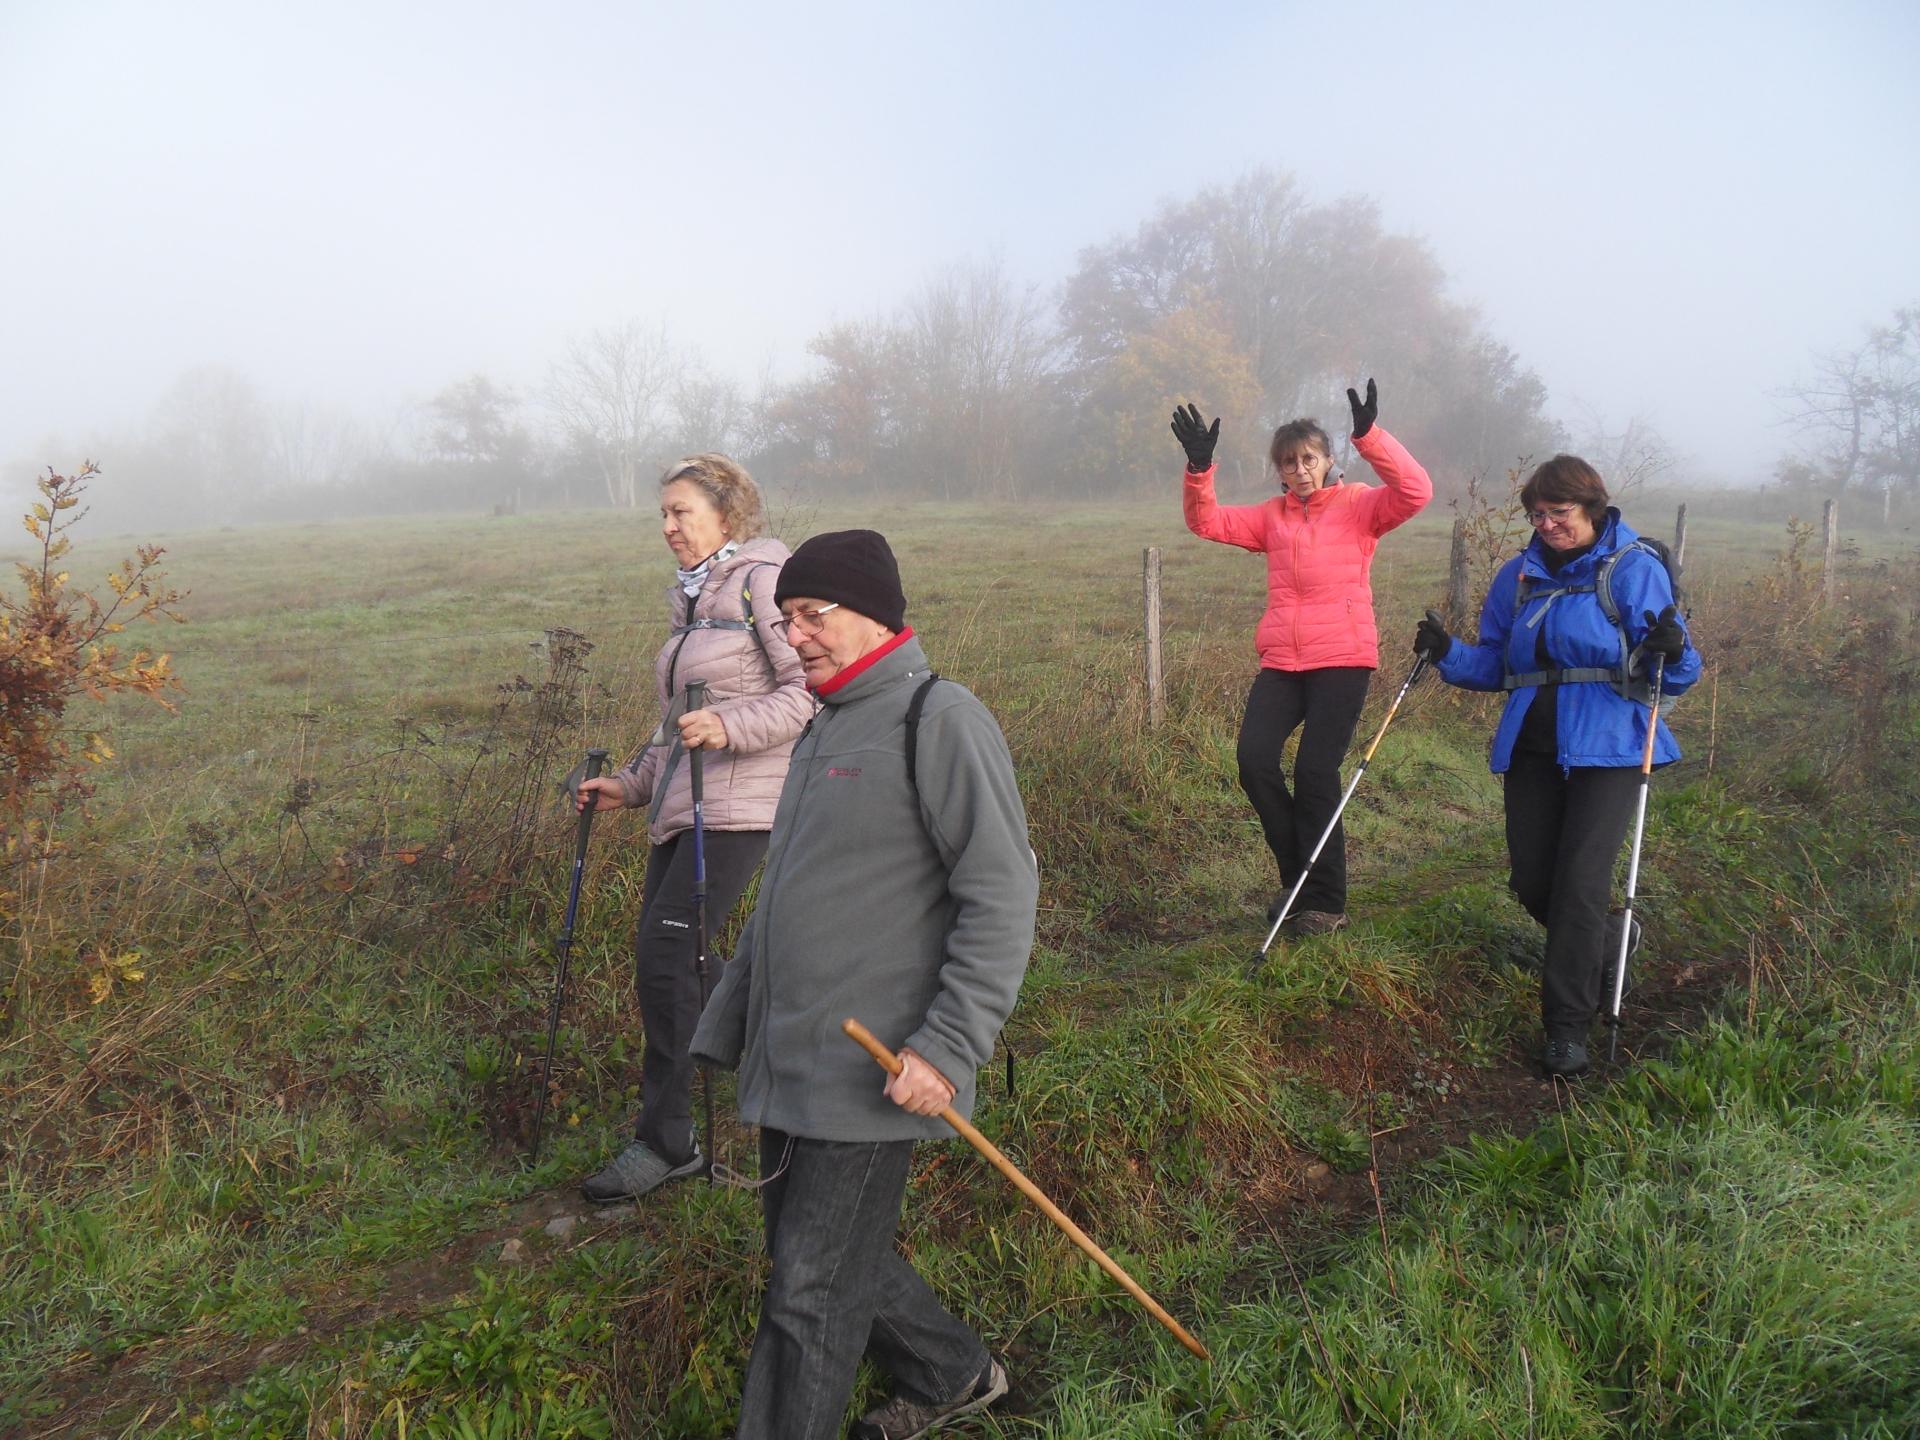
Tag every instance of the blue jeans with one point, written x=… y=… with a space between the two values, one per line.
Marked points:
x=839 y=1290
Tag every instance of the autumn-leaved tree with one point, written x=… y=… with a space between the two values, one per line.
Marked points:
x=56 y=644
x=1188 y=355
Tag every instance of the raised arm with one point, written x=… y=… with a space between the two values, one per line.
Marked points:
x=1408 y=488
x=1242 y=525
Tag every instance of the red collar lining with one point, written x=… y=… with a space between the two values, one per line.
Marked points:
x=863 y=664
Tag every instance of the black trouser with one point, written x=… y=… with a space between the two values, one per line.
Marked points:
x=667 y=978
x=1564 y=830
x=1329 y=702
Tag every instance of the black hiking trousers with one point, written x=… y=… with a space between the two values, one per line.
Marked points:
x=1564 y=831
x=667 y=978
x=1324 y=705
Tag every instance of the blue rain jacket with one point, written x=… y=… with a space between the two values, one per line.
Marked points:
x=1597 y=725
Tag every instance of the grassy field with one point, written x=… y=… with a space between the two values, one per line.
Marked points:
x=275 y=1186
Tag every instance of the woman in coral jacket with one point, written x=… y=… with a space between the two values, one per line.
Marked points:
x=1317 y=641
x=724 y=630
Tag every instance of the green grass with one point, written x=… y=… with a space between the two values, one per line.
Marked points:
x=286 y=1126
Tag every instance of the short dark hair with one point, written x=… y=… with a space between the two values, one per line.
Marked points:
x=1566 y=479
x=1290 y=437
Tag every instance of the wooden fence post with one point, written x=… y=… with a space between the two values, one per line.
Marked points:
x=1457 y=575
x=1680 y=540
x=1150 y=585
x=1830 y=530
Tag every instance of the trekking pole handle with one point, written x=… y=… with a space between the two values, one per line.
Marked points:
x=696 y=700
x=891 y=1064
x=595 y=760
x=1653 y=712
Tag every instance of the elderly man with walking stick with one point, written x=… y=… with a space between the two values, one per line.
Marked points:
x=899 y=887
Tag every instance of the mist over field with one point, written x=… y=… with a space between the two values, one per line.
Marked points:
x=317 y=261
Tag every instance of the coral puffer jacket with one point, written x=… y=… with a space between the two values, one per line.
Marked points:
x=1319 y=555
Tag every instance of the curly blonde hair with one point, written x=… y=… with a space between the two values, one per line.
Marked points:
x=727 y=484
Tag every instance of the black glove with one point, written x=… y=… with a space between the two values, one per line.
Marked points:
x=1430 y=639
x=1364 y=414
x=1665 y=636
x=1198 y=438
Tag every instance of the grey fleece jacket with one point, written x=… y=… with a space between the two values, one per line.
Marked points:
x=914 y=916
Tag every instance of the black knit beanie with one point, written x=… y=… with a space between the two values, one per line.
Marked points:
x=854 y=568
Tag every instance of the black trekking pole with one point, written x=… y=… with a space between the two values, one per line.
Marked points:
x=595 y=759
x=1633 y=864
x=1259 y=959
x=696 y=774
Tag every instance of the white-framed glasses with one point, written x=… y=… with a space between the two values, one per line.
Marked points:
x=809 y=621
x=1559 y=514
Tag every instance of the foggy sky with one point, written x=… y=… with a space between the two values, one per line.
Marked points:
x=1662 y=208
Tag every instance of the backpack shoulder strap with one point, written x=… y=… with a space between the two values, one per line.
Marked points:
x=914 y=707
x=746 y=608
x=1603 y=579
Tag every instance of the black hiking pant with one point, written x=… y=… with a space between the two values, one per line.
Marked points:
x=667 y=978
x=1564 y=831
x=1324 y=705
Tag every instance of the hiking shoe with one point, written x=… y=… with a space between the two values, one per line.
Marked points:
x=1315 y=922
x=904 y=1419
x=1613 y=950
x=635 y=1171
x=1565 y=1059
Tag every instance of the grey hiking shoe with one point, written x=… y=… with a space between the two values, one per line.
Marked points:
x=1565 y=1059
x=636 y=1171
x=904 y=1419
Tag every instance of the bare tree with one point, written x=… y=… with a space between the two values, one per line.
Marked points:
x=309 y=447
x=1629 y=456
x=1829 y=408
x=710 y=411
x=611 y=394
x=1859 y=412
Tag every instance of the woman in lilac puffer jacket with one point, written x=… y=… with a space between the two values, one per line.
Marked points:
x=721 y=616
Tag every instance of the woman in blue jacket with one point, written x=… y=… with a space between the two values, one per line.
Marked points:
x=1571 y=737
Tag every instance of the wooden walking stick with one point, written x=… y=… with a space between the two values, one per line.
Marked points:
x=891 y=1064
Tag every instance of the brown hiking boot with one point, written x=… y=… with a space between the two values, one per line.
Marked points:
x=1315 y=922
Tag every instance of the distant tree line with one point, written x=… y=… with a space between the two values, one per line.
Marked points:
x=1251 y=299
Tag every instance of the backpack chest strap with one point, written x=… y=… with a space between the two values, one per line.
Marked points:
x=707 y=622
